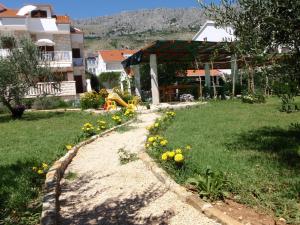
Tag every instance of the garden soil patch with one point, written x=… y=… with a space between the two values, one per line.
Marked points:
x=244 y=214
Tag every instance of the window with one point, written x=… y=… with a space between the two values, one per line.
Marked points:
x=76 y=53
x=39 y=14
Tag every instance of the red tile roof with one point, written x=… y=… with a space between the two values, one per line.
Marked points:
x=5 y=12
x=115 y=55
x=63 y=19
x=197 y=73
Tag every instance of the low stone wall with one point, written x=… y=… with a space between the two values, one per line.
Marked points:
x=50 y=209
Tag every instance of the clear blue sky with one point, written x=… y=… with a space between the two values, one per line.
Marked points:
x=87 y=8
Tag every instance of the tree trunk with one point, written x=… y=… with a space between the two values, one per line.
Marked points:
x=16 y=111
x=251 y=80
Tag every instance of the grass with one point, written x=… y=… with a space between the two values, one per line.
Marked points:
x=254 y=144
x=25 y=143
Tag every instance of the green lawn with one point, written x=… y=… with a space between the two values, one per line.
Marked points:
x=37 y=138
x=254 y=144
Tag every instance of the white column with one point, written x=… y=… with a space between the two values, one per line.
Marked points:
x=88 y=85
x=154 y=79
x=137 y=80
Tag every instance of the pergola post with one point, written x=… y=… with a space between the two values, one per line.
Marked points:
x=207 y=78
x=154 y=79
x=233 y=73
x=137 y=80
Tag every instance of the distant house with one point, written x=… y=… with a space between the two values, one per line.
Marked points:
x=210 y=32
x=59 y=42
x=111 y=61
x=91 y=63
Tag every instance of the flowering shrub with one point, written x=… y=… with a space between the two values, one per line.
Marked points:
x=161 y=123
x=126 y=157
x=176 y=156
x=40 y=170
x=88 y=129
x=91 y=100
x=129 y=113
x=158 y=145
x=253 y=98
x=68 y=147
x=102 y=125
x=117 y=119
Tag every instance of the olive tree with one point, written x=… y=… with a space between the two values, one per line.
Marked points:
x=20 y=69
x=262 y=27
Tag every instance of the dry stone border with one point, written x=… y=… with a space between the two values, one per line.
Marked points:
x=50 y=205
x=187 y=197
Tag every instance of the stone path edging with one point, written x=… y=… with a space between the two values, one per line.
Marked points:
x=187 y=197
x=50 y=204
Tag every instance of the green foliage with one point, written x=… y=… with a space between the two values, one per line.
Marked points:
x=19 y=71
x=8 y=42
x=91 y=100
x=110 y=78
x=126 y=157
x=71 y=176
x=272 y=24
x=43 y=103
x=211 y=185
x=254 y=98
x=41 y=137
x=253 y=145
x=287 y=92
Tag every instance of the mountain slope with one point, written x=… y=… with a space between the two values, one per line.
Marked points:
x=136 y=28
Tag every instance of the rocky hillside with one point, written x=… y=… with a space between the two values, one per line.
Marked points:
x=134 y=29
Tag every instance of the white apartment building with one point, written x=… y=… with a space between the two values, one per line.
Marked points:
x=61 y=45
x=110 y=61
x=210 y=32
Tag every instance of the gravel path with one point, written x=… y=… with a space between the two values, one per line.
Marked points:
x=105 y=192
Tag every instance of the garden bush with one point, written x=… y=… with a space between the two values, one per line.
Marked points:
x=254 y=98
x=91 y=100
x=43 y=103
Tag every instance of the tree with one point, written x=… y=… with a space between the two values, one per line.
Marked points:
x=20 y=70
x=261 y=27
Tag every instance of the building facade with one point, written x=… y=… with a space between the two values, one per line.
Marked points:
x=210 y=32
x=60 y=44
x=111 y=61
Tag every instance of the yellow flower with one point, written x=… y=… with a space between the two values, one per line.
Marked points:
x=188 y=147
x=69 y=147
x=163 y=142
x=156 y=125
x=40 y=171
x=178 y=151
x=147 y=145
x=151 y=139
x=179 y=158
x=164 y=157
x=171 y=154
x=45 y=166
x=34 y=168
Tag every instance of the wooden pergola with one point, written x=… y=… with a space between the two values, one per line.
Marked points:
x=196 y=54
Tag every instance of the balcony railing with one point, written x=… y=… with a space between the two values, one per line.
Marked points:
x=64 y=88
x=56 y=56
x=77 y=61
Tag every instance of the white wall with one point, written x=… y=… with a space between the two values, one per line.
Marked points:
x=78 y=38
x=209 y=32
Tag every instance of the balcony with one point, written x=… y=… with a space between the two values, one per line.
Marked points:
x=57 y=58
x=77 y=61
x=64 y=88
